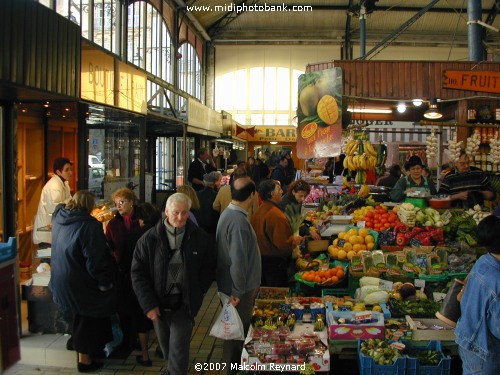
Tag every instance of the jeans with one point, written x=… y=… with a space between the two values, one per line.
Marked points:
x=472 y=364
x=173 y=330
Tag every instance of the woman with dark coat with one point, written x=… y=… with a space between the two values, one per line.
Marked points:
x=84 y=277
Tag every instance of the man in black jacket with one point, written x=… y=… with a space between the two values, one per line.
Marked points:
x=172 y=269
x=200 y=166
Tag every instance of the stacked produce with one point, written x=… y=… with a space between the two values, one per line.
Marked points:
x=349 y=243
x=381 y=351
x=377 y=218
x=407 y=214
x=360 y=156
x=477 y=213
x=429 y=216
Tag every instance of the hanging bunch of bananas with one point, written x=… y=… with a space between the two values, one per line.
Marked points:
x=360 y=156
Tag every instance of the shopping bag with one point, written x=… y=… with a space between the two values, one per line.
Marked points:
x=228 y=325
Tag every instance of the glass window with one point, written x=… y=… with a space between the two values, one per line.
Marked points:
x=189 y=71
x=165 y=163
x=149 y=41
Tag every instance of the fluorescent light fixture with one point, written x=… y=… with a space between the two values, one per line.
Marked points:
x=369 y=110
x=273 y=142
x=417 y=102
x=401 y=108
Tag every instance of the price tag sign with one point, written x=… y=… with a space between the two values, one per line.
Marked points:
x=446 y=216
x=361 y=224
x=415 y=243
x=386 y=285
x=438 y=297
x=419 y=283
x=341 y=243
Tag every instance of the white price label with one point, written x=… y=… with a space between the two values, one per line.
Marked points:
x=386 y=285
x=438 y=297
x=361 y=224
x=419 y=283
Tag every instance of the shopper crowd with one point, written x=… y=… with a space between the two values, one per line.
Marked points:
x=151 y=269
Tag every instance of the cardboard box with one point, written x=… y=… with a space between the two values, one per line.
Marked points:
x=446 y=334
x=375 y=330
x=250 y=363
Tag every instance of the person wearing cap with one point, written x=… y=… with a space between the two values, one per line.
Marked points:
x=466 y=185
x=206 y=216
x=413 y=182
x=55 y=191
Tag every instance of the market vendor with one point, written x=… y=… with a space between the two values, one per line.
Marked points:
x=413 y=183
x=467 y=185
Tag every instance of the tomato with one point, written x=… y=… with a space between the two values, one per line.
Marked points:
x=369 y=215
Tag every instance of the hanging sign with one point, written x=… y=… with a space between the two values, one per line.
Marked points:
x=319 y=114
x=265 y=133
x=472 y=80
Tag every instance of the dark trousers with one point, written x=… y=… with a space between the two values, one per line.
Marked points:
x=274 y=271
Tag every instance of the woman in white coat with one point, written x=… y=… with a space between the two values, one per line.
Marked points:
x=55 y=191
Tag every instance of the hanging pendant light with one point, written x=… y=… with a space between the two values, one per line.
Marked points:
x=433 y=112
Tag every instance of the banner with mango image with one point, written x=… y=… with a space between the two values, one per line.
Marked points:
x=319 y=114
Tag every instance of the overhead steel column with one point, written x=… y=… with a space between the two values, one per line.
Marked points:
x=474 y=30
x=362 y=31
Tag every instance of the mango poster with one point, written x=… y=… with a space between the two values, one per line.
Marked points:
x=319 y=114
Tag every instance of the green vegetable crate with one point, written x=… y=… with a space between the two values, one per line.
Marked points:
x=414 y=366
x=367 y=365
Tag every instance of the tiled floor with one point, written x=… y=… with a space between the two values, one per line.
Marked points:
x=46 y=354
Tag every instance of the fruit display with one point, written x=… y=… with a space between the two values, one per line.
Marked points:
x=324 y=276
x=360 y=156
x=351 y=243
x=378 y=218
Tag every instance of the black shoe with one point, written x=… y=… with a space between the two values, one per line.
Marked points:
x=142 y=362
x=82 y=367
x=159 y=352
x=69 y=344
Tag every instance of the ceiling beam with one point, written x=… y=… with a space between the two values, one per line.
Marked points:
x=228 y=17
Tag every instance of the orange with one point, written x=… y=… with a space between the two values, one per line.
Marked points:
x=339 y=267
x=369 y=239
x=360 y=239
x=334 y=252
x=363 y=247
x=351 y=253
x=356 y=248
x=341 y=235
x=334 y=279
x=317 y=279
x=340 y=274
x=363 y=232
x=370 y=246
x=342 y=254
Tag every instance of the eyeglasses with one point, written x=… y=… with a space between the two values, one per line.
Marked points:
x=120 y=202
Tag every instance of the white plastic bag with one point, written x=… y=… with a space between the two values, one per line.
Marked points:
x=228 y=325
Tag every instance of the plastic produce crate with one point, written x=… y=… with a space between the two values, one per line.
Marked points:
x=413 y=367
x=7 y=249
x=367 y=365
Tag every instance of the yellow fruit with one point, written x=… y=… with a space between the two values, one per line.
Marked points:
x=370 y=246
x=328 y=110
x=347 y=247
x=334 y=252
x=352 y=232
x=360 y=239
x=341 y=235
x=342 y=254
x=362 y=247
x=355 y=248
x=353 y=240
x=350 y=254
x=335 y=241
x=369 y=239
x=363 y=232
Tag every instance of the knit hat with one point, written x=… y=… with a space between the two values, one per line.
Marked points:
x=413 y=161
x=212 y=177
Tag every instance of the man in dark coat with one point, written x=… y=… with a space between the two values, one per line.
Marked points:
x=172 y=269
x=201 y=165
x=280 y=173
x=206 y=216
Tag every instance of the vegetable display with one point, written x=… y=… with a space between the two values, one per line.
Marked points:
x=426 y=357
x=380 y=350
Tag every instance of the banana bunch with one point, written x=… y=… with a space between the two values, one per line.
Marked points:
x=303 y=264
x=364 y=191
x=365 y=159
x=351 y=147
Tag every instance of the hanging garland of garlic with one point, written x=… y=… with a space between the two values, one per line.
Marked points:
x=431 y=148
x=495 y=149
x=472 y=147
x=454 y=147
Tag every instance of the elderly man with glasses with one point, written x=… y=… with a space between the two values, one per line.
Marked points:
x=274 y=235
